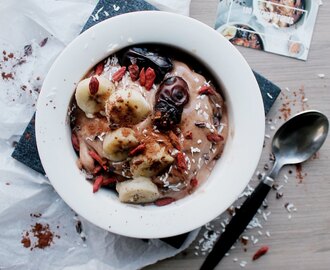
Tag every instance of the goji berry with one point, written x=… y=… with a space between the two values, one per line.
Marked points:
x=93 y=85
x=119 y=74
x=164 y=201
x=137 y=150
x=98 y=159
x=213 y=137
x=206 y=90
x=150 y=78
x=194 y=182
x=97 y=183
x=134 y=72
x=181 y=161
x=142 y=77
x=260 y=252
x=99 y=68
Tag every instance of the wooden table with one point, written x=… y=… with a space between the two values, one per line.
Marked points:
x=300 y=239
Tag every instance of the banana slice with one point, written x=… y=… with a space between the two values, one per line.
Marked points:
x=116 y=144
x=152 y=162
x=127 y=107
x=138 y=190
x=91 y=96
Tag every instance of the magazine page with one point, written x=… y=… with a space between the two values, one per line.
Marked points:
x=279 y=26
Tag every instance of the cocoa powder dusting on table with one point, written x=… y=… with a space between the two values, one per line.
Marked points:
x=286 y=110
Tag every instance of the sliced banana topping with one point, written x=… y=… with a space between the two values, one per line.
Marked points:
x=138 y=190
x=152 y=162
x=127 y=106
x=92 y=93
x=117 y=144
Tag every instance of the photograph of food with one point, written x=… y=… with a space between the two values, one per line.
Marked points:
x=149 y=123
x=243 y=35
x=283 y=13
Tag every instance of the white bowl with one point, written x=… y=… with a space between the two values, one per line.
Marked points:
x=231 y=173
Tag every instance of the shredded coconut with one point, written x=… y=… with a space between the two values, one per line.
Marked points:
x=198 y=106
x=194 y=150
x=96 y=16
x=116 y=8
x=270 y=96
x=242 y=264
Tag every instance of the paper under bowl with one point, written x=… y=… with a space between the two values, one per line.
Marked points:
x=231 y=173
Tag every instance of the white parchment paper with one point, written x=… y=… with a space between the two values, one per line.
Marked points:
x=33 y=33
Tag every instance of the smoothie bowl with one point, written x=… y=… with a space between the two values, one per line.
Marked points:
x=150 y=131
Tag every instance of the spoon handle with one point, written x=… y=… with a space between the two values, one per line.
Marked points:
x=237 y=225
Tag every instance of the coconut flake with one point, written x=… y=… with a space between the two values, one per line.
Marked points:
x=198 y=106
x=96 y=16
x=116 y=8
x=194 y=150
x=242 y=264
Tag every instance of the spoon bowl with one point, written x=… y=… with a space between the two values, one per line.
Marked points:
x=300 y=137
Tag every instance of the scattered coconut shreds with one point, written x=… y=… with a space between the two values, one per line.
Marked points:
x=267 y=233
x=290 y=207
x=254 y=223
x=321 y=75
x=264 y=216
x=96 y=16
x=270 y=96
x=194 y=150
x=305 y=100
x=267 y=136
x=287 y=89
x=242 y=264
x=207 y=242
x=235 y=259
x=116 y=8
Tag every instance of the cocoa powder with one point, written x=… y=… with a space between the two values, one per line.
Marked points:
x=39 y=236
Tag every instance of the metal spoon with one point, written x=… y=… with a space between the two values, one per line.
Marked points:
x=294 y=142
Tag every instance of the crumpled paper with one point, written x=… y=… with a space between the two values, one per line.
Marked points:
x=32 y=35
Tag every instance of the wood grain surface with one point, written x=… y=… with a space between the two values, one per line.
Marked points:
x=299 y=239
